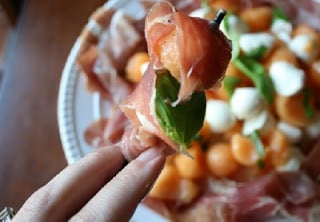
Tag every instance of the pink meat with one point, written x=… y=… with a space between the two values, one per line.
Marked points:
x=285 y=195
x=204 y=52
x=115 y=128
x=139 y=108
x=135 y=140
x=312 y=164
x=107 y=130
x=93 y=134
x=264 y=197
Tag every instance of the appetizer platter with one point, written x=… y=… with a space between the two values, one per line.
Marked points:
x=230 y=86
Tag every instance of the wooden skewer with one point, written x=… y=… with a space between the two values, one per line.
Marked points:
x=218 y=19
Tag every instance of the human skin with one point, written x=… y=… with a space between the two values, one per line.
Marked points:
x=96 y=188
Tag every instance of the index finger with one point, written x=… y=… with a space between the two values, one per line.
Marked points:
x=67 y=192
x=118 y=199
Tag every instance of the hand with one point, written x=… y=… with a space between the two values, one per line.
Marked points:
x=96 y=188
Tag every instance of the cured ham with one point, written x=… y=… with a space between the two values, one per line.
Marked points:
x=109 y=39
x=201 y=63
x=139 y=107
x=107 y=131
x=134 y=141
x=192 y=49
x=277 y=196
x=312 y=165
x=268 y=196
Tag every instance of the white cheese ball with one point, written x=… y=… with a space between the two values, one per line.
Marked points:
x=246 y=102
x=305 y=47
x=235 y=26
x=251 y=42
x=287 y=79
x=293 y=133
x=218 y=116
x=282 y=29
x=263 y=122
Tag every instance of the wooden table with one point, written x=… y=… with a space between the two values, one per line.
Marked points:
x=30 y=147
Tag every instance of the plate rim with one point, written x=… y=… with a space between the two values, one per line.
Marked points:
x=65 y=112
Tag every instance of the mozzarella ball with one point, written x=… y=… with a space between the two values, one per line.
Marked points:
x=246 y=102
x=282 y=29
x=263 y=122
x=305 y=47
x=287 y=79
x=218 y=116
x=251 y=42
x=233 y=25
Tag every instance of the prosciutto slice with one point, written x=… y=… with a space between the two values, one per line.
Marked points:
x=312 y=164
x=287 y=196
x=139 y=107
x=271 y=195
x=134 y=141
x=107 y=130
x=202 y=63
x=192 y=49
x=111 y=36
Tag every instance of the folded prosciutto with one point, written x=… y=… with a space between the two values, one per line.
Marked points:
x=187 y=56
x=194 y=50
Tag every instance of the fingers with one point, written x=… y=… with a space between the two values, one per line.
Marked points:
x=65 y=194
x=118 y=199
x=70 y=190
x=136 y=140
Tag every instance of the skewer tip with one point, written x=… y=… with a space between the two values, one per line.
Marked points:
x=219 y=17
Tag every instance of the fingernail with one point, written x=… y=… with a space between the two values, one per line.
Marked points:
x=150 y=154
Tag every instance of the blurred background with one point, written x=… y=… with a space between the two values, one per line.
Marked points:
x=35 y=39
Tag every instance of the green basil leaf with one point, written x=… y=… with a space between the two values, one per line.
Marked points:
x=256 y=72
x=183 y=121
x=230 y=83
x=234 y=37
x=235 y=47
x=255 y=137
x=259 y=52
x=226 y=23
x=308 y=110
x=278 y=13
x=261 y=164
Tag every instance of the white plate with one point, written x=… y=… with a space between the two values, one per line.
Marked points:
x=78 y=108
x=75 y=109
